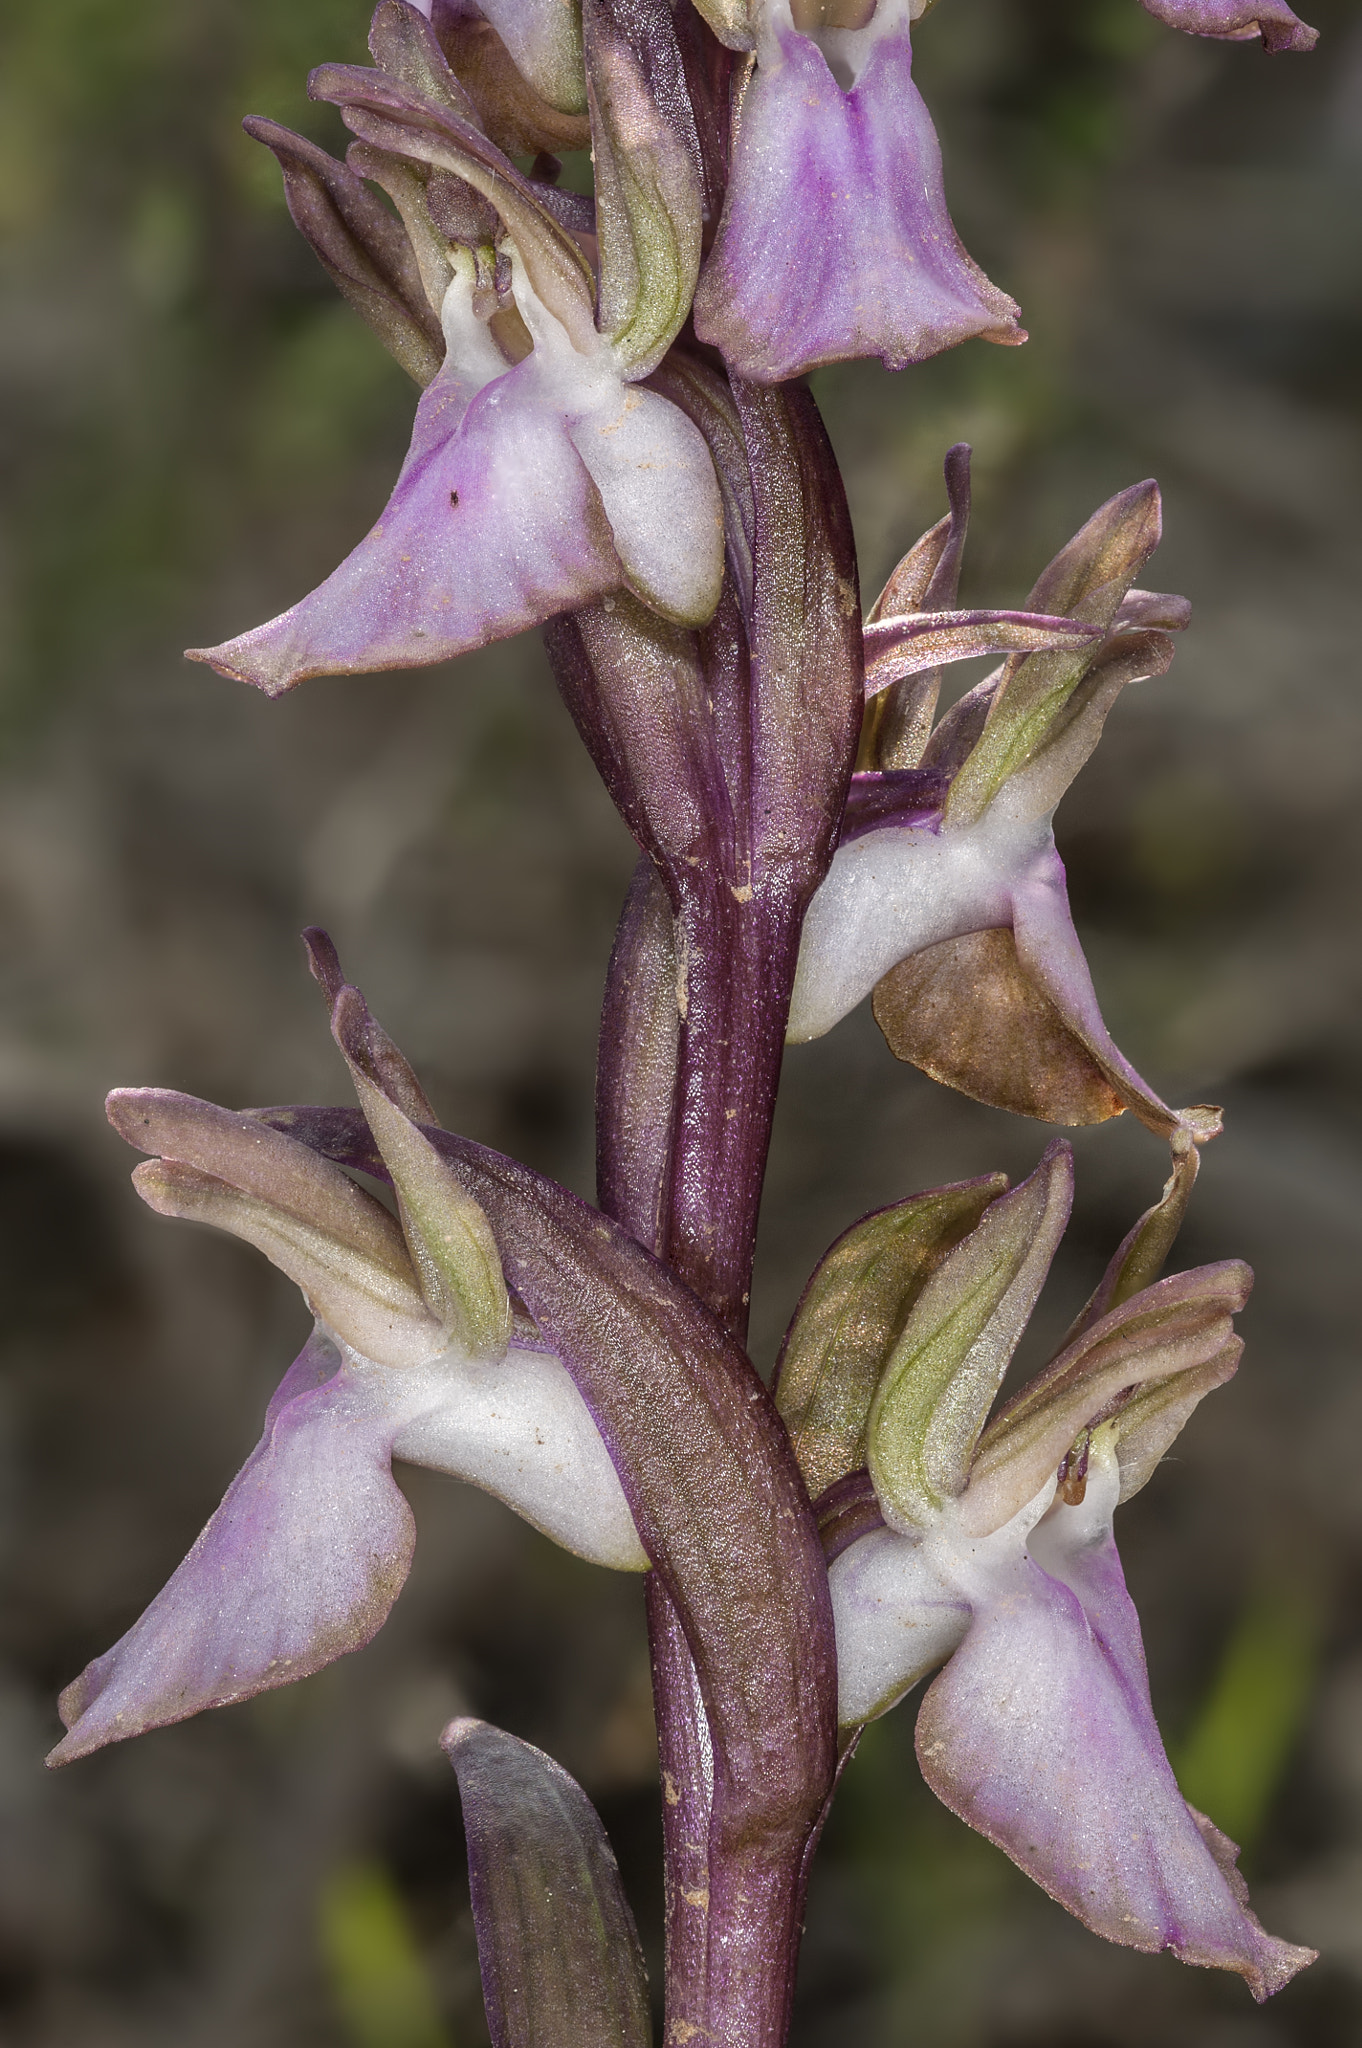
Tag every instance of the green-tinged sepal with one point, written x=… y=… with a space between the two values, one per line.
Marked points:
x=451 y=1241
x=948 y=1364
x=372 y=1304
x=852 y=1315
x=1087 y=580
x=648 y=199
x=557 y=1947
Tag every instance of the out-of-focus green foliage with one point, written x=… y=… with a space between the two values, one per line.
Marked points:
x=1231 y=1761
x=180 y=372
x=379 y=1983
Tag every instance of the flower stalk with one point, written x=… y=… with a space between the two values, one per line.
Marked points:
x=611 y=445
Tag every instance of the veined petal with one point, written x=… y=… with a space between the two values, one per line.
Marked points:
x=495 y=525
x=300 y=1564
x=379 y=1312
x=1169 y=1332
x=1238 y=21
x=1041 y=1735
x=517 y=1427
x=840 y=189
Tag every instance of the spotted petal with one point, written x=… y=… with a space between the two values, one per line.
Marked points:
x=495 y=524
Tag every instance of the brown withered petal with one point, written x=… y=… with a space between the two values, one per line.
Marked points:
x=965 y=1013
x=851 y=1315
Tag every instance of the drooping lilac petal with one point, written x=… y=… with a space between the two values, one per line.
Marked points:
x=299 y=1565
x=835 y=240
x=310 y=1547
x=1032 y=1736
x=1238 y=21
x=494 y=525
x=557 y=1946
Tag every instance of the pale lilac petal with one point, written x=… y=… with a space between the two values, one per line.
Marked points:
x=299 y=1565
x=835 y=240
x=886 y=896
x=661 y=497
x=1031 y=1735
x=895 y=1620
x=517 y=1427
x=495 y=525
x=1237 y=21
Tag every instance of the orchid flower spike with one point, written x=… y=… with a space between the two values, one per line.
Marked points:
x=542 y=473
x=947 y=897
x=416 y=1353
x=989 y=1549
x=835 y=240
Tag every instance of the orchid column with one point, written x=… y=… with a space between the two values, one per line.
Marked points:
x=612 y=444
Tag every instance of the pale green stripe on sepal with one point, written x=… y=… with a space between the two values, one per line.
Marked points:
x=852 y=1314
x=947 y=1366
x=451 y=1241
x=648 y=206
x=1087 y=580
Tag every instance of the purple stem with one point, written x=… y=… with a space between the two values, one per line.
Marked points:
x=736 y=794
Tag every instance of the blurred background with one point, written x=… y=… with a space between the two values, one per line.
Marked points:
x=195 y=430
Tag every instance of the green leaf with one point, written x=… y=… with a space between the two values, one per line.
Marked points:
x=852 y=1314
x=560 y=1956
